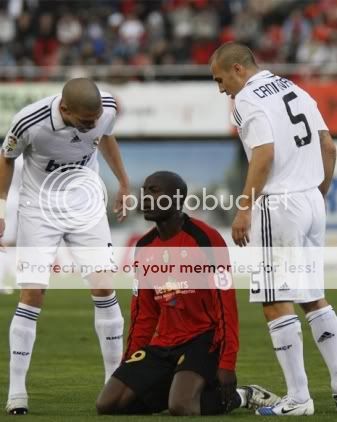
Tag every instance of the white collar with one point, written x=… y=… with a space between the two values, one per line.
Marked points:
x=259 y=75
x=56 y=117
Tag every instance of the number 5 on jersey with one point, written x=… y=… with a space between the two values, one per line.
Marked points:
x=297 y=118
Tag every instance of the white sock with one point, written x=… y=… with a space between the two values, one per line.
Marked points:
x=109 y=325
x=22 y=335
x=243 y=396
x=286 y=335
x=323 y=323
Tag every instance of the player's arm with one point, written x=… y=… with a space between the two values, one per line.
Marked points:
x=328 y=150
x=11 y=148
x=111 y=153
x=6 y=175
x=227 y=330
x=224 y=298
x=144 y=318
x=258 y=135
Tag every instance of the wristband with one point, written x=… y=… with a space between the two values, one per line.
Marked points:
x=2 y=208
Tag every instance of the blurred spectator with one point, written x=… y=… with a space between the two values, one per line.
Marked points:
x=296 y=31
x=247 y=27
x=145 y=32
x=131 y=33
x=46 y=46
x=68 y=29
x=7 y=25
x=315 y=50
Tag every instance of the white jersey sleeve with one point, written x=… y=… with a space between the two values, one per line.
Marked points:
x=17 y=138
x=110 y=106
x=253 y=124
x=316 y=115
x=321 y=125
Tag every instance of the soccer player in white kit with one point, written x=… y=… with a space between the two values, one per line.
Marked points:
x=59 y=136
x=291 y=158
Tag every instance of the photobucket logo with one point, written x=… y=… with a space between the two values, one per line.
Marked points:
x=73 y=198
x=204 y=201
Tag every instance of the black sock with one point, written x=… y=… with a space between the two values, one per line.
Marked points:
x=211 y=402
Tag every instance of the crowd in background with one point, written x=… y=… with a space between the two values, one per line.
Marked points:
x=141 y=32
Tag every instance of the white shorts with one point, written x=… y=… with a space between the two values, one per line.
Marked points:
x=288 y=232
x=38 y=241
x=9 y=237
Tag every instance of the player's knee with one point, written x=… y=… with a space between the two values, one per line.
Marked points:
x=114 y=398
x=314 y=306
x=108 y=405
x=179 y=407
x=276 y=310
x=101 y=292
x=32 y=297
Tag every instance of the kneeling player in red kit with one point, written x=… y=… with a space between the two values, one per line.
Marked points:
x=183 y=338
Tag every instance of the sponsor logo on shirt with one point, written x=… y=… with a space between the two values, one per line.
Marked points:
x=53 y=165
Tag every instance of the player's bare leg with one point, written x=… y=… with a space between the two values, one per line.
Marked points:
x=323 y=322
x=22 y=336
x=115 y=398
x=109 y=322
x=185 y=401
x=286 y=335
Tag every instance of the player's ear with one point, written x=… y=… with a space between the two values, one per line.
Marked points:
x=63 y=107
x=237 y=67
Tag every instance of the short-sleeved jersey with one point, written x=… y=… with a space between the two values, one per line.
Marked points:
x=47 y=144
x=272 y=109
x=172 y=315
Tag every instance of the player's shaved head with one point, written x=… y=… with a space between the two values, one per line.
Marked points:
x=170 y=182
x=81 y=94
x=231 y=53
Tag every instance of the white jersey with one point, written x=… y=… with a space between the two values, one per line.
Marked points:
x=272 y=109
x=39 y=133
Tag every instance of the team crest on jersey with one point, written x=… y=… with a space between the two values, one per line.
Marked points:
x=11 y=143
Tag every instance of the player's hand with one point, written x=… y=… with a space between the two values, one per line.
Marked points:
x=241 y=227
x=2 y=230
x=228 y=383
x=120 y=205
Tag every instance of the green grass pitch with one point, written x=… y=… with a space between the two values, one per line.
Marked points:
x=66 y=371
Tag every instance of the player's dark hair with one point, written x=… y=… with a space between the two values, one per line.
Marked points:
x=172 y=182
x=233 y=52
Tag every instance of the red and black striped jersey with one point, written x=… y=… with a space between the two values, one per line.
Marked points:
x=169 y=307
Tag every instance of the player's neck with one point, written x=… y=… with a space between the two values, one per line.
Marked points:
x=250 y=73
x=170 y=227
